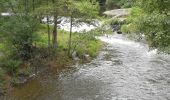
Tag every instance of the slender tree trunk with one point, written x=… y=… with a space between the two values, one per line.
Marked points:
x=70 y=37
x=26 y=6
x=55 y=28
x=33 y=5
x=55 y=33
x=48 y=29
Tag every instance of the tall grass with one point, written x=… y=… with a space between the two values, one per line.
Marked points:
x=82 y=43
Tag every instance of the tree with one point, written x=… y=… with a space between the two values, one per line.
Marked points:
x=151 y=17
x=52 y=8
x=18 y=28
x=83 y=11
x=57 y=10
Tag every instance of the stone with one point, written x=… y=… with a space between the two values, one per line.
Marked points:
x=119 y=32
x=74 y=56
x=1 y=93
x=86 y=57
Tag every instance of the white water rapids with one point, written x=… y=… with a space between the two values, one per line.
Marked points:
x=80 y=27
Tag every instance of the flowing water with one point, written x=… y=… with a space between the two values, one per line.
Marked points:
x=80 y=27
x=123 y=70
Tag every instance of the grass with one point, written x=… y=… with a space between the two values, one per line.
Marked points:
x=86 y=43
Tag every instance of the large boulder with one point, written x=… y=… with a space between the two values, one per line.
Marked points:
x=117 y=12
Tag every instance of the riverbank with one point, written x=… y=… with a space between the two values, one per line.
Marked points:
x=84 y=47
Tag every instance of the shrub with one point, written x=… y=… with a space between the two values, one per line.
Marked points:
x=111 y=4
x=14 y=81
x=86 y=43
x=125 y=29
x=1 y=73
x=18 y=32
x=12 y=66
x=154 y=24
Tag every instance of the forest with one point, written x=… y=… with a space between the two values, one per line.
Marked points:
x=37 y=35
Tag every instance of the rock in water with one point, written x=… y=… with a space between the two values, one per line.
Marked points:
x=86 y=57
x=1 y=93
x=74 y=56
x=119 y=32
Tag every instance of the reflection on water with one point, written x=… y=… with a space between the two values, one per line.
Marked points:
x=124 y=70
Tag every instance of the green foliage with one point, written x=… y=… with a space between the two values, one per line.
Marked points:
x=152 y=6
x=22 y=37
x=86 y=43
x=125 y=29
x=14 y=80
x=83 y=43
x=26 y=71
x=156 y=29
x=12 y=66
x=117 y=21
x=18 y=32
x=112 y=4
x=152 y=19
x=127 y=3
x=132 y=24
x=84 y=10
x=1 y=73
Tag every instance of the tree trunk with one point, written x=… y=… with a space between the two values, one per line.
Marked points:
x=55 y=28
x=55 y=33
x=70 y=37
x=26 y=6
x=48 y=29
x=33 y=5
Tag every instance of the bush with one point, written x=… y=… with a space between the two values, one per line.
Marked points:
x=155 y=25
x=125 y=29
x=12 y=66
x=112 y=4
x=1 y=73
x=18 y=32
x=14 y=81
x=86 y=43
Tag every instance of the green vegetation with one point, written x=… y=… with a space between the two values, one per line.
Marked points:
x=112 y=4
x=19 y=38
x=151 y=18
x=82 y=43
x=12 y=66
x=28 y=46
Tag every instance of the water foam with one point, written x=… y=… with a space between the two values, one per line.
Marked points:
x=120 y=40
x=152 y=52
x=65 y=25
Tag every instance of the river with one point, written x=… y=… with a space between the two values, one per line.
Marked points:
x=123 y=70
